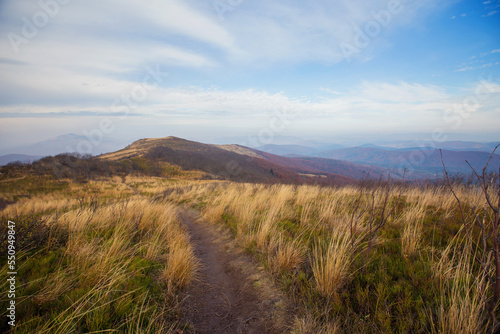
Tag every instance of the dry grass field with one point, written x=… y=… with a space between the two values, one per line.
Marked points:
x=95 y=258
x=112 y=255
x=415 y=274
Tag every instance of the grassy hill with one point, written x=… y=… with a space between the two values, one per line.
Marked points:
x=229 y=162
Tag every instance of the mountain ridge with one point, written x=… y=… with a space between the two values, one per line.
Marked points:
x=233 y=162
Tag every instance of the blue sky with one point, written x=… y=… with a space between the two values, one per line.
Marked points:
x=331 y=70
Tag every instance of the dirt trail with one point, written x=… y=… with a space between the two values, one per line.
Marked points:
x=224 y=297
x=13 y=179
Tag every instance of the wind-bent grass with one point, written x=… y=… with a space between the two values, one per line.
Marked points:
x=320 y=245
x=412 y=220
x=99 y=264
x=463 y=293
x=99 y=258
x=331 y=264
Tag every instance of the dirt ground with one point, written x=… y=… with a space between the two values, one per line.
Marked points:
x=230 y=294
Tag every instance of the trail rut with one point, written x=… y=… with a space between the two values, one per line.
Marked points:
x=224 y=298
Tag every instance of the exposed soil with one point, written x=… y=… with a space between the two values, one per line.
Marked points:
x=4 y=203
x=230 y=294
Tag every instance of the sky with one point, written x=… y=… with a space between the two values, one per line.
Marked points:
x=250 y=72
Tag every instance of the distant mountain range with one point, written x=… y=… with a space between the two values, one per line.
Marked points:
x=5 y=159
x=68 y=143
x=316 y=148
x=421 y=162
x=447 y=145
x=318 y=162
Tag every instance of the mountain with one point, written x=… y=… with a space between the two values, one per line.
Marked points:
x=5 y=159
x=298 y=150
x=287 y=150
x=425 y=161
x=254 y=142
x=468 y=146
x=422 y=162
x=307 y=165
x=429 y=144
x=232 y=162
x=244 y=164
x=68 y=143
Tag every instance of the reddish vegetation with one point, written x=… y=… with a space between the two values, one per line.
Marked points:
x=245 y=166
x=323 y=166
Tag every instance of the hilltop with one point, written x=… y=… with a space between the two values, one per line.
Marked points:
x=240 y=163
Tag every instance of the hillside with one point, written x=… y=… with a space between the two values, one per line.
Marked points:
x=341 y=258
x=230 y=162
x=325 y=166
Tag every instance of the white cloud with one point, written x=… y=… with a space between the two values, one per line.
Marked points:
x=129 y=19
x=403 y=92
x=403 y=107
x=95 y=49
x=368 y=98
x=181 y=33
x=273 y=30
x=176 y=16
x=474 y=60
x=331 y=91
x=86 y=57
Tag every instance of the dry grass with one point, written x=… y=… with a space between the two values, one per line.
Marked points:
x=463 y=293
x=179 y=269
x=287 y=256
x=309 y=325
x=315 y=241
x=412 y=220
x=331 y=264
x=99 y=278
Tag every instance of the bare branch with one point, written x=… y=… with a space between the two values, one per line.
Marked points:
x=491 y=156
x=484 y=185
x=464 y=221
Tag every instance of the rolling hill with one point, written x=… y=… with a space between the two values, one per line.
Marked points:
x=239 y=163
x=308 y=165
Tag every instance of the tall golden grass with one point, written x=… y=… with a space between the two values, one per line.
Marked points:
x=328 y=228
x=332 y=263
x=111 y=239
x=322 y=234
x=463 y=292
